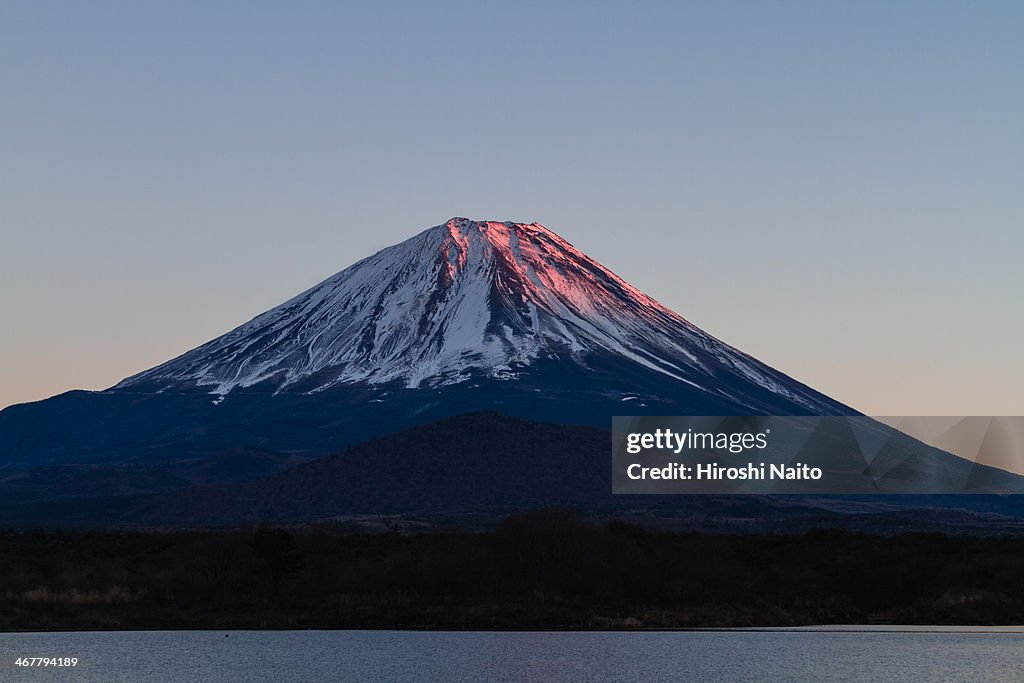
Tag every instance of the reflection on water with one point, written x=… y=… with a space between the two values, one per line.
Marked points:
x=839 y=653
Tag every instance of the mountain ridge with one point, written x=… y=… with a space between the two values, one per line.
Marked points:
x=471 y=471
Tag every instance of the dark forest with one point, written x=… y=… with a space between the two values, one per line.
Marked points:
x=548 y=569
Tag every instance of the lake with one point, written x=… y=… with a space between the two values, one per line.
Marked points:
x=842 y=653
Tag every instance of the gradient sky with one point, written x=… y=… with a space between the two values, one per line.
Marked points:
x=836 y=188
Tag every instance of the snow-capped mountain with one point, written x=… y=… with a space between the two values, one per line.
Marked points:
x=465 y=316
x=497 y=325
x=470 y=300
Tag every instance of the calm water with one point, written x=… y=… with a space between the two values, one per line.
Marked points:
x=847 y=654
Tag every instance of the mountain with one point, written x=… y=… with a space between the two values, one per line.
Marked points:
x=465 y=316
x=363 y=395
x=469 y=300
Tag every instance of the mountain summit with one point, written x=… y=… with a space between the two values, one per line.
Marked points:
x=470 y=301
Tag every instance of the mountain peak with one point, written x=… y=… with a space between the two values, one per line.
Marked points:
x=464 y=225
x=472 y=300
x=500 y=234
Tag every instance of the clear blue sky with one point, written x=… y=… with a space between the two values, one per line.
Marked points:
x=836 y=188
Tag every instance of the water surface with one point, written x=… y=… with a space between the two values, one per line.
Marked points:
x=842 y=653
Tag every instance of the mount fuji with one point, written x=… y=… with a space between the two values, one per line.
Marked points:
x=476 y=300
x=401 y=385
x=464 y=316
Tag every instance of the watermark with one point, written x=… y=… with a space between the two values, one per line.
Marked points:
x=827 y=455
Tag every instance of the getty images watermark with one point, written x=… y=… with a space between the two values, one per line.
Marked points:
x=834 y=455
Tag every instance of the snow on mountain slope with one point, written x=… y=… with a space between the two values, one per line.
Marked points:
x=468 y=299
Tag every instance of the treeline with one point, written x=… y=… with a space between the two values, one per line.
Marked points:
x=547 y=569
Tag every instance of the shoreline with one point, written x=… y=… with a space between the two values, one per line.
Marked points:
x=937 y=629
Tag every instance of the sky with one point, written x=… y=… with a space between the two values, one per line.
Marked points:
x=835 y=188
